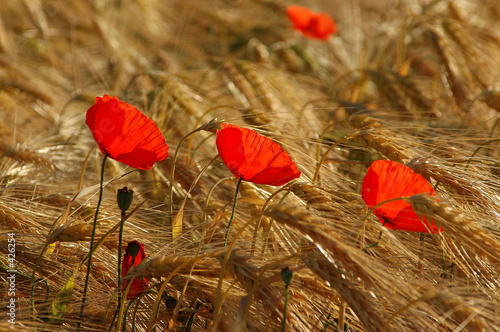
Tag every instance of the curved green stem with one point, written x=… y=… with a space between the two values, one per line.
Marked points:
x=320 y=163
x=89 y=264
x=268 y=233
x=373 y=245
x=172 y=174
x=479 y=149
x=47 y=287
x=207 y=200
x=172 y=169
x=232 y=212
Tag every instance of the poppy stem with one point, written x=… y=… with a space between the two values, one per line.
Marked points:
x=320 y=163
x=374 y=244
x=120 y=239
x=92 y=241
x=287 y=277
x=232 y=212
x=172 y=174
x=283 y=322
x=378 y=239
x=421 y=241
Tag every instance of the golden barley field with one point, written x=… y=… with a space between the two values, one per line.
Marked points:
x=417 y=82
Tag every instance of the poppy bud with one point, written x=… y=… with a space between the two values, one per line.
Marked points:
x=133 y=249
x=287 y=276
x=134 y=254
x=124 y=198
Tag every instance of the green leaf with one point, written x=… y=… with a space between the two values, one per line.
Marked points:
x=60 y=303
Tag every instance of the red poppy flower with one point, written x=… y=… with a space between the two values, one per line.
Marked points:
x=388 y=179
x=311 y=24
x=254 y=158
x=134 y=254
x=125 y=134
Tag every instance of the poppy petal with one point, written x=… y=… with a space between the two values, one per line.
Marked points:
x=278 y=171
x=230 y=147
x=125 y=134
x=408 y=220
x=134 y=254
x=386 y=180
x=105 y=119
x=322 y=26
x=311 y=24
x=299 y=16
x=138 y=286
x=253 y=157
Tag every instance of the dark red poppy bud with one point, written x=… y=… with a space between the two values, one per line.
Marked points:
x=134 y=254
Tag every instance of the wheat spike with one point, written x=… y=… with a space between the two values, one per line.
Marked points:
x=358 y=300
x=247 y=276
x=323 y=236
x=164 y=265
x=314 y=197
x=463 y=185
x=244 y=89
x=375 y=136
x=468 y=313
x=456 y=225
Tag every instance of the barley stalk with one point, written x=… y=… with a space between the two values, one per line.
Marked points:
x=163 y=265
x=456 y=225
x=359 y=301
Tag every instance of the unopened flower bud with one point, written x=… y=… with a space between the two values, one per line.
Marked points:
x=133 y=249
x=124 y=198
x=287 y=276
